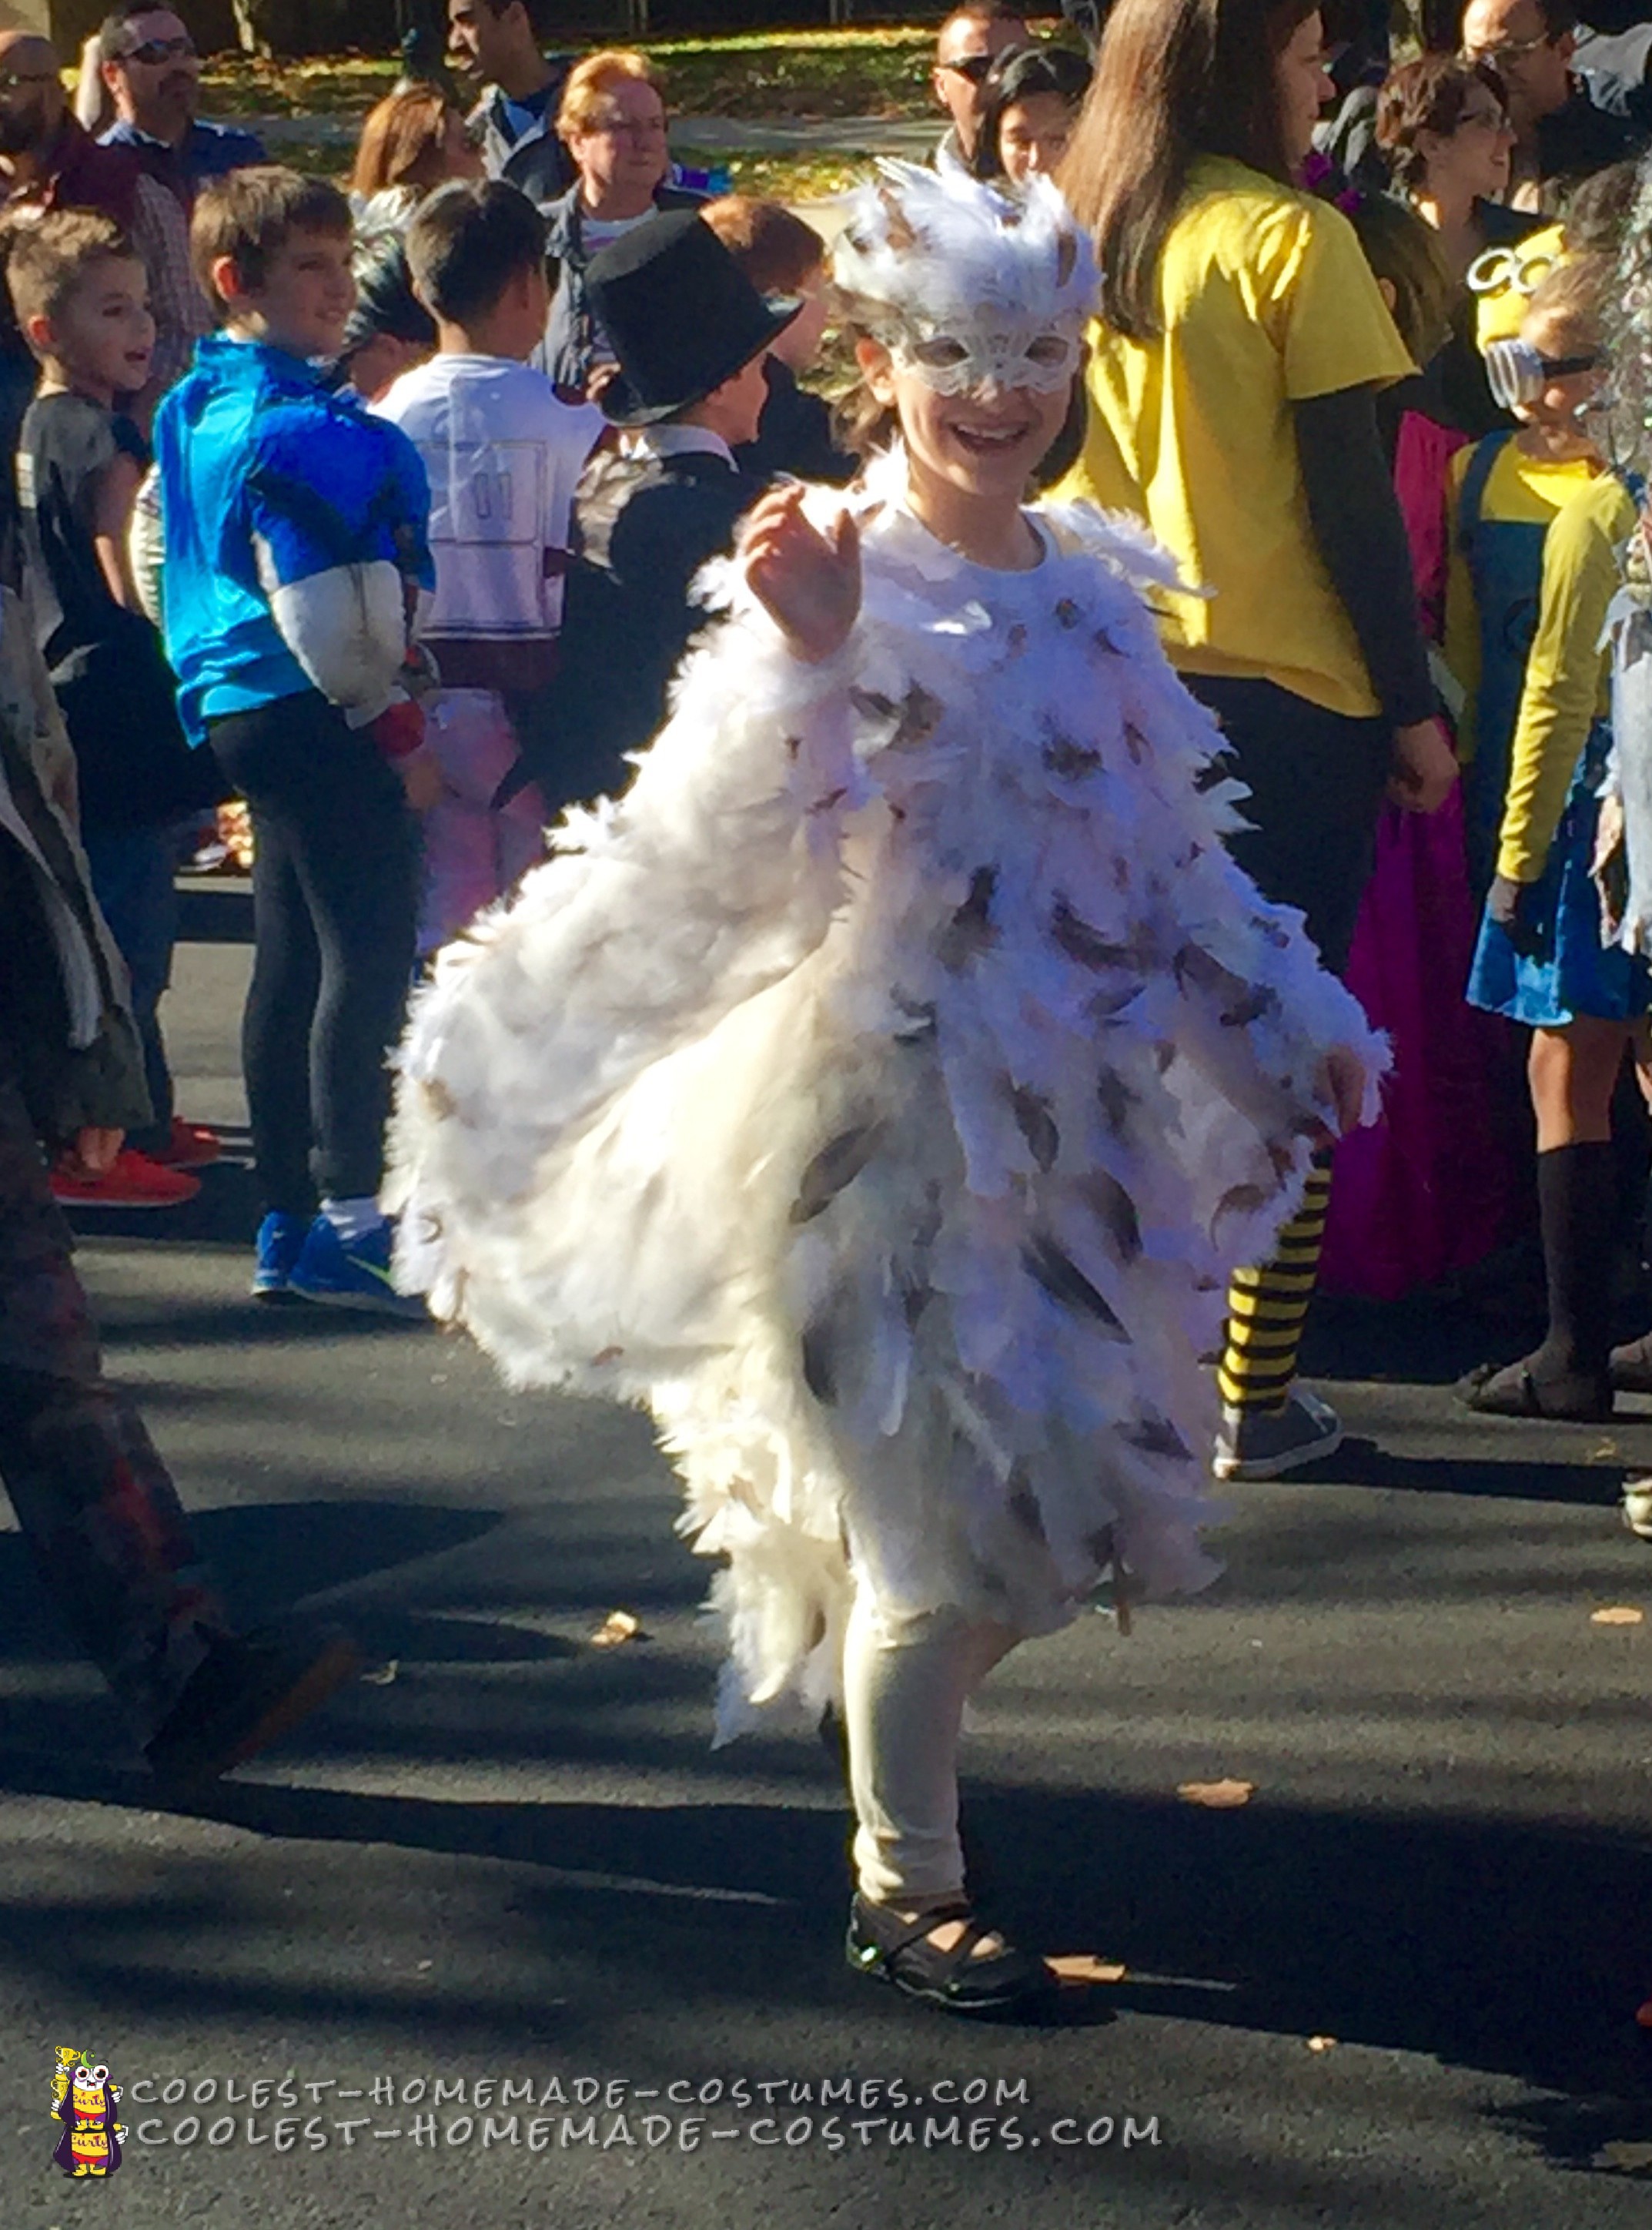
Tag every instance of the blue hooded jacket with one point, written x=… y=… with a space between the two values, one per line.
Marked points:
x=295 y=534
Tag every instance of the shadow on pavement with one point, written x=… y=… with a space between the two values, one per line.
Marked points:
x=1418 y=1935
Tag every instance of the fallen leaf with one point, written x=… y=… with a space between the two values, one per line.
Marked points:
x=1622 y=2154
x=619 y=1626
x=1322 y=2044
x=425 y=1964
x=1606 y=1448
x=1220 y=1796
x=382 y=1675
x=1084 y=1967
x=1616 y=1614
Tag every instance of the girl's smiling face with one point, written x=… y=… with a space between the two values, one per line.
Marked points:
x=985 y=444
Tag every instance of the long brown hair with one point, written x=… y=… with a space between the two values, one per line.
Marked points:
x=1175 y=80
x=402 y=141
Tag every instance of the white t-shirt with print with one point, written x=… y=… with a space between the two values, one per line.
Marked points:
x=504 y=455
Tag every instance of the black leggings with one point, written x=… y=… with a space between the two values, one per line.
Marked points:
x=335 y=904
x=1316 y=781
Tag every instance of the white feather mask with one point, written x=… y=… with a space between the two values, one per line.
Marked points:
x=965 y=284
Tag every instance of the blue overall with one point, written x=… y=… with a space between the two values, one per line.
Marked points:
x=1505 y=560
x=1572 y=972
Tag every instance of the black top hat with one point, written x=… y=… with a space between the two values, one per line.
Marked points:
x=680 y=315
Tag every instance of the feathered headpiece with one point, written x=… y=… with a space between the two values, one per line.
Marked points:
x=964 y=283
x=1629 y=335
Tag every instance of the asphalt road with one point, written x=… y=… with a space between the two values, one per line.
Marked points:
x=512 y=1857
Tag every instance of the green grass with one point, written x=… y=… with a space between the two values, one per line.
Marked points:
x=772 y=76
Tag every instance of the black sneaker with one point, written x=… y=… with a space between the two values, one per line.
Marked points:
x=251 y=1690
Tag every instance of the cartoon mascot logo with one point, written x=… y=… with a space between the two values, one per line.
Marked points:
x=84 y=2101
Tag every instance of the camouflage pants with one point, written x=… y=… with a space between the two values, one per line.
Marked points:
x=96 y=1504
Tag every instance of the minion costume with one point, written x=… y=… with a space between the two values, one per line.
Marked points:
x=90 y=2145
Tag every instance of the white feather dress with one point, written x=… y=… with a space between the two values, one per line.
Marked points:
x=883 y=1092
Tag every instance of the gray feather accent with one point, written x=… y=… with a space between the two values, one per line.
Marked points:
x=837 y=1165
x=1115 y=1210
x=970 y=932
x=1037 y=1126
x=1053 y=1269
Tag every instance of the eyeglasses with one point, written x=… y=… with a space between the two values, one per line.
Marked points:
x=154 y=52
x=975 y=68
x=15 y=81
x=622 y=127
x=1509 y=50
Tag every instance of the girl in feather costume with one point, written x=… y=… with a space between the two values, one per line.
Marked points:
x=883 y=1089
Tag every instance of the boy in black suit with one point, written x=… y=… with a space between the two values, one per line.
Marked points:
x=691 y=335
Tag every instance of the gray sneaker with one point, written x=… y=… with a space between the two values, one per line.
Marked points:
x=1266 y=1443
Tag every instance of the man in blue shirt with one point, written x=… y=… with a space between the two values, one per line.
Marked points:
x=152 y=73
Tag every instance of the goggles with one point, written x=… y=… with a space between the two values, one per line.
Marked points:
x=1516 y=372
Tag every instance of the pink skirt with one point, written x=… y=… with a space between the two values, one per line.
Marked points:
x=1428 y=1190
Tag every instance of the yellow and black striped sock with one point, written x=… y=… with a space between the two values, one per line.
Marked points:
x=1268 y=1307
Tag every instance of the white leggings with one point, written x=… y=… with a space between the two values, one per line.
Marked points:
x=905 y=1682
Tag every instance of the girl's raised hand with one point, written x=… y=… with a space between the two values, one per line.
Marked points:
x=808 y=582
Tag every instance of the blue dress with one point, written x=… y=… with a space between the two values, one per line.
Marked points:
x=1572 y=973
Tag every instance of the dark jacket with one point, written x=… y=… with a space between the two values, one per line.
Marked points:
x=643 y=527
x=794 y=435
x=66 y=1032
x=571 y=336
x=537 y=162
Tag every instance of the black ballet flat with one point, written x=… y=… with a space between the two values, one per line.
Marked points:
x=890 y=1949
x=1511 y=1391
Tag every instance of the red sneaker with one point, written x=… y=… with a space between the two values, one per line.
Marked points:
x=191 y=1146
x=134 y=1182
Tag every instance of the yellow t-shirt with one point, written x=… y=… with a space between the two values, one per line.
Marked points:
x=1266 y=299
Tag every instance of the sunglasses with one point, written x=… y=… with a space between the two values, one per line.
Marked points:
x=154 y=52
x=975 y=68
x=1511 y=50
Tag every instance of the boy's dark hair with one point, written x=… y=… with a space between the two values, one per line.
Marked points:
x=1402 y=249
x=778 y=252
x=468 y=241
x=46 y=260
x=250 y=215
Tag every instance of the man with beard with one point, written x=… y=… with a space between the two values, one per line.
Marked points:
x=152 y=73
x=48 y=160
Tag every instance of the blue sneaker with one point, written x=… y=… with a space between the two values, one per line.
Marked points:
x=281 y=1241
x=353 y=1276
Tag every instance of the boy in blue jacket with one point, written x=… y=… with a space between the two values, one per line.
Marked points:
x=296 y=553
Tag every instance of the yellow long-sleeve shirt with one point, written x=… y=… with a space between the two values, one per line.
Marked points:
x=1568 y=675
x=1522 y=490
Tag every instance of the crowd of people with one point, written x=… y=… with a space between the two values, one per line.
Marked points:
x=949 y=1064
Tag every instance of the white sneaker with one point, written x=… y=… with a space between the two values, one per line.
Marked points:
x=1266 y=1443
x=1637 y=1507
